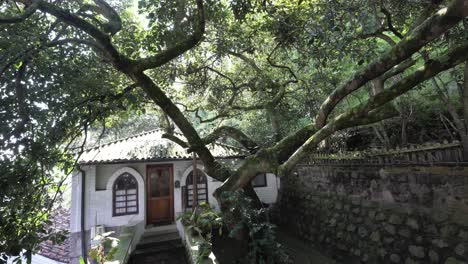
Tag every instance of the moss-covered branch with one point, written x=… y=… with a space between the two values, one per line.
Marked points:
x=430 y=29
x=234 y=133
x=178 y=49
x=27 y=12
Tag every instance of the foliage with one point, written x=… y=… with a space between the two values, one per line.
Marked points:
x=105 y=247
x=263 y=246
x=265 y=68
x=202 y=222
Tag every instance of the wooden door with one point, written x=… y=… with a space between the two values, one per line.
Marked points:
x=160 y=194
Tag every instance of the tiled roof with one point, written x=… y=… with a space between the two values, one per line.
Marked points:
x=59 y=252
x=149 y=146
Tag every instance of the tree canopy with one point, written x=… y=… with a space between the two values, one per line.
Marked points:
x=277 y=77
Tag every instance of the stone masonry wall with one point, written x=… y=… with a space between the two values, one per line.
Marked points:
x=371 y=214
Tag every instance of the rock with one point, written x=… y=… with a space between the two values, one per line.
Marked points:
x=433 y=256
x=452 y=260
x=463 y=235
x=380 y=217
x=410 y=261
x=371 y=214
x=382 y=252
x=365 y=258
x=395 y=219
x=351 y=228
x=390 y=229
x=413 y=223
x=362 y=231
x=404 y=232
x=460 y=249
x=347 y=207
x=375 y=236
x=356 y=210
x=395 y=258
x=439 y=243
x=416 y=251
x=388 y=240
x=419 y=239
x=448 y=231
x=440 y=216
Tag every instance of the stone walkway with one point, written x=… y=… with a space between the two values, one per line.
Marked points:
x=300 y=252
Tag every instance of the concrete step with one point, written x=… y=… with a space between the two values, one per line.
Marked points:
x=155 y=240
x=159 y=245
x=158 y=232
x=174 y=245
x=165 y=257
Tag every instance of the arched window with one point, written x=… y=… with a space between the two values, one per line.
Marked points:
x=125 y=195
x=202 y=188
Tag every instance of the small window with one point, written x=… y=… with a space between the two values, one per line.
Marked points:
x=202 y=189
x=125 y=193
x=260 y=180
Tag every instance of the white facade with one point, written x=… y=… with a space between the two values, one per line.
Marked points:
x=100 y=178
x=37 y=259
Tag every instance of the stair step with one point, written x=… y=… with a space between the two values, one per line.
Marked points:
x=157 y=240
x=158 y=232
x=168 y=246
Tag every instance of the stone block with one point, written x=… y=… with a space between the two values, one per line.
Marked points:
x=380 y=217
x=452 y=260
x=448 y=231
x=395 y=219
x=463 y=234
x=394 y=258
x=404 y=232
x=375 y=236
x=433 y=256
x=351 y=228
x=390 y=229
x=388 y=240
x=362 y=231
x=461 y=250
x=413 y=223
x=410 y=261
x=439 y=243
x=416 y=251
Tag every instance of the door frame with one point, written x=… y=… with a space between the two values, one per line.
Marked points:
x=171 y=189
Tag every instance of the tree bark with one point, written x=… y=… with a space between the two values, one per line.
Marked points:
x=430 y=29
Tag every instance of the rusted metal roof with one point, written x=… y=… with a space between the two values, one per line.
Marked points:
x=150 y=146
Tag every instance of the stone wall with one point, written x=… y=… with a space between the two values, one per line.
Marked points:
x=374 y=214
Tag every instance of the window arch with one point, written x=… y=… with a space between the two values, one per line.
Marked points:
x=202 y=188
x=125 y=195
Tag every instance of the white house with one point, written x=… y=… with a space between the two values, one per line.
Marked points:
x=145 y=180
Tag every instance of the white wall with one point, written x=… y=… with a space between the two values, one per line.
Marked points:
x=37 y=259
x=100 y=179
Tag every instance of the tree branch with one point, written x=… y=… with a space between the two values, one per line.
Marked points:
x=102 y=38
x=429 y=30
x=177 y=50
x=234 y=133
x=390 y=24
x=28 y=11
x=175 y=139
